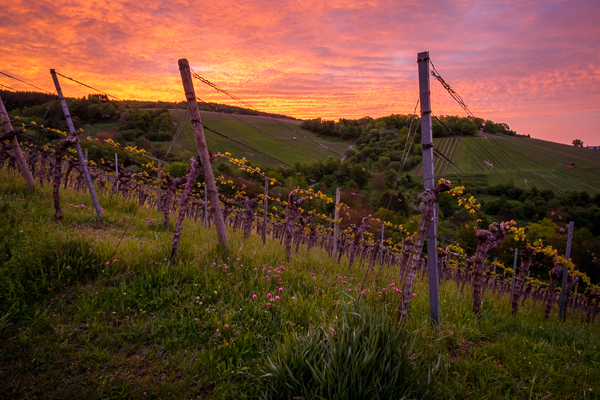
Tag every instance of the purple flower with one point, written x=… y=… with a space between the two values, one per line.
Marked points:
x=254 y=297
x=277 y=298
x=269 y=295
x=281 y=289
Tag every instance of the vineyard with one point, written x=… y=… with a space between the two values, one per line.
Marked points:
x=162 y=286
x=539 y=162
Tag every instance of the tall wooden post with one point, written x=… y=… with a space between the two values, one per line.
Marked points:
x=429 y=180
x=266 y=211
x=209 y=178
x=117 y=171
x=159 y=187
x=563 y=291
x=16 y=148
x=335 y=223
x=512 y=285
x=82 y=162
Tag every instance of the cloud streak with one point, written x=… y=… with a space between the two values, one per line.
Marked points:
x=533 y=64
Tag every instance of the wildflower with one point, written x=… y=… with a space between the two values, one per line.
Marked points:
x=380 y=293
x=340 y=277
x=312 y=274
x=124 y=293
x=218 y=330
x=269 y=295
x=215 y=292
x=197 y=319
x=344 y=282
x=268 y=304
x=197 y=297
x=108 y=262
x=277 y=298
x=254 y=297
x=165 y=259
x=414 y=295
x=281 y=289
x=293 y=298
x=115 y=260
x=226 y=325
x=349 y=290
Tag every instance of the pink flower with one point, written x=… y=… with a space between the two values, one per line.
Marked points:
x=226 y=325
x=277 y=298
x=254 y=297
x=218 y=330
x=349 y=290
x=281 y=289
x=269 y=295
x=196 y=319
x=312 y=274
x=108 y=262
x=340 y=277
x=268 y=304
x=344 y=282
x=165 y=259
x=414 y=295
x=115 y=260
x=293 y=298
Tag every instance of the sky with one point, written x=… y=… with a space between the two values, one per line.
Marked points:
x=532 y=64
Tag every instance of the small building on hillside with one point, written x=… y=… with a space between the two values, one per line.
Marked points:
x=570 y=165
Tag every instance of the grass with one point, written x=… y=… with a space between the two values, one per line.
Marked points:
x=540 y=162
x=75 y=323
x=275 y=138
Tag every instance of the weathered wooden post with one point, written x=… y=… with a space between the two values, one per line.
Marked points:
x=84 y=167
x=335 y=223
x=209 y=179
x=512 y=285
x=16 y=148
x=563 y=291
x=205 y=206
x=266 y=211
x=159 y=187
x=429 y=181
x=117 y=171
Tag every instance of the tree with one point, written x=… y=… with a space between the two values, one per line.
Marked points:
x=577 y=142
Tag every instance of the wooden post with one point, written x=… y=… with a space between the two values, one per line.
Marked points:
x=117 y=171
x=84 y=167
x=381 y=247
x=266 y=211
x=512 y=285
x=209 y=179
x=159 y=187
x=16 y=148
x=335 y=223
x=429 y=180
x=563 y=291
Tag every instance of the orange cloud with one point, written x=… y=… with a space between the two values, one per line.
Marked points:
x=511 y=61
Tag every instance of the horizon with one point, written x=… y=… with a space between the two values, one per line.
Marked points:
x=534 y=66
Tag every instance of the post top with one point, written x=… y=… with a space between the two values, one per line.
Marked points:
x=184 y=62
x=424 y=56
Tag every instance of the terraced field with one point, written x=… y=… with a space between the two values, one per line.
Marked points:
x=262 y=140
x=538 y=162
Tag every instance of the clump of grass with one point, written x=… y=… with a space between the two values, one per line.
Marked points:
x=362 y=354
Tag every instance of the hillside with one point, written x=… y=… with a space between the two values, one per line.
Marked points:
x=274 y=137
x=540 y=162
x=78 y=306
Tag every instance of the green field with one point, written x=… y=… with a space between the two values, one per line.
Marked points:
x=540 y=162
x=273 y=137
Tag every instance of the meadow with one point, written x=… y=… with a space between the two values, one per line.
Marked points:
x=94 y=309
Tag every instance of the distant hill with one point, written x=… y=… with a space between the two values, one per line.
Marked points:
x=262 y=140
x=540 y=162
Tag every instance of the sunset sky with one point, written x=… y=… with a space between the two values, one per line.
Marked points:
x=532 y=64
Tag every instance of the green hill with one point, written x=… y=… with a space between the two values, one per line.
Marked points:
x=540 y=162
x=253 y=135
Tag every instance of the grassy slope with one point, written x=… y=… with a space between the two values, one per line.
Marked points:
x=262 y=133
x=538 y=161
x=81 y=328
